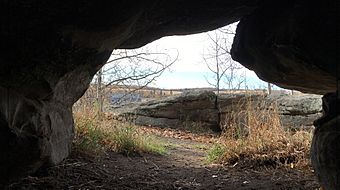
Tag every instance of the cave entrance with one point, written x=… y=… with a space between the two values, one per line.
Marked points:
x=154 y=118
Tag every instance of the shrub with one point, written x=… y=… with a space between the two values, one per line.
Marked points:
x=259 y=137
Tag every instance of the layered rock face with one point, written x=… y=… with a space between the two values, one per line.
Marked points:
x=189 y=108
x=297 y=111
x=51 y=50
x=206 y=109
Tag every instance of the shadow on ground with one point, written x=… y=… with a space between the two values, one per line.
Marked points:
x=183 y=167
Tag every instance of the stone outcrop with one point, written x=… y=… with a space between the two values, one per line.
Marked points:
x=211 y=111
x=176 y=111
x=52 y=49
x=297 y=111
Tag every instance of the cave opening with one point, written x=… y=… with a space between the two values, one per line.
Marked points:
x=53 y=50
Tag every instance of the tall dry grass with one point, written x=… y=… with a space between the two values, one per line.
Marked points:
x=97 y=133
x=253 y=133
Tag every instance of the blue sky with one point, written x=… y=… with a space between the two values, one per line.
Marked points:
x=187 y=79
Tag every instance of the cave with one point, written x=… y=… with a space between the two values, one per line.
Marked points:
x=52 y=49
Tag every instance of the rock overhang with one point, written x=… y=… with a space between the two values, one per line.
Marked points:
x=289 y=43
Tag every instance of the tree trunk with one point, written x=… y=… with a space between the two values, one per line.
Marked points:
x=99 y=92
x=269 y=88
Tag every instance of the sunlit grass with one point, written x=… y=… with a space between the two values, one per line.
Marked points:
x=97 y=134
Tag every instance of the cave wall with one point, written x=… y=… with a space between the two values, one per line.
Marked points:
x=38 y=131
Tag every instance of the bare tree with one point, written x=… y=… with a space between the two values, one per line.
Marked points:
x=215 y=60
x=99 y=95
x=218 y=60
x=137 y=68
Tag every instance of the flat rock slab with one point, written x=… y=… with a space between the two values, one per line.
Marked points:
x=207 y=109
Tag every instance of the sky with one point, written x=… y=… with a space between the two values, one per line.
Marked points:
x=190 y=70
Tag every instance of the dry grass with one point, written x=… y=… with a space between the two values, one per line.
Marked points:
x=254 y=134
x=97 y=134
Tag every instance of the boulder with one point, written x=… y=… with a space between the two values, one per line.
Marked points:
x=175 y=111
x=297 y=111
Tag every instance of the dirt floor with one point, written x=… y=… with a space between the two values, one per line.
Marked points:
x=183 y=167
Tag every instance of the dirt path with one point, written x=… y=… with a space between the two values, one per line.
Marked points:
x=183 y=167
